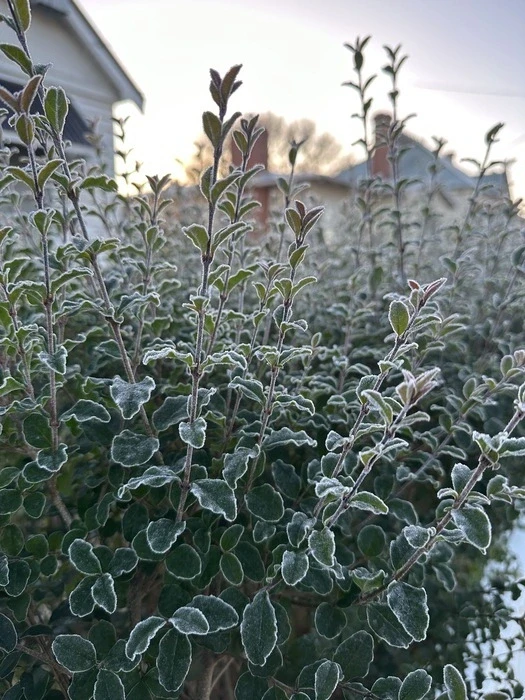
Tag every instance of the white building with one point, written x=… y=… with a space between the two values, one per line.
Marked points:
x=82 y=63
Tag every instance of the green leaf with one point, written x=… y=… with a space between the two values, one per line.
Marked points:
x=415 y=686
x=188 y=620
x=29 y=92
x=15 y=54
x=19 y=573
x=409 y=605
x=74 y=652
x=235 y=280
x=318 y=579
x=25 y=129
x=273 y=663
x=265 y=503
x=34 y=504
x=131 y=397
x=132 y=449
x=55 y=362
x=116 y=659
x=399 y=316
x=367 y=580
x=259 y=629
x=387 y=688
x=4 y=570
x=275 y=693
x=82 y=686
x=460 y=476
x=10 y=101
x=217 y=191
x=355 y=655
x=38 y=546
x=329 y=620
x=83 y=558
x=81 y=601
x=215 y=495
x=37 y=431
x=23 y=13
x=11 y=539
x=231 y=536
x=167 y=351
x=364 y=500
x=100 y=182
x=251 y=561
x=294 y=567
x=236 y=465
x=135 y=520
x=306 y=678
x=8 y=635
x=475 y=525
x=163 y=533
x=85 y=410
x=8 y=475
x=454 y=683
x=173 y=410
x=152 y=477
x=322 y=546
x=371 y=540
x=326 y=679
x=108 y=686
x=219 y=614
x=385 y=624
x=263 y=531
x=193 y=434
x=250 y=687
x=231 y=569
x=123 y=562
x=173 y=660
x=104 y=593
x=10 y=501
x=142 y=635
x=184 y=562
x=43 y=176
x=445 y=575
x=298 y=528
x=285 y=436
x=286 y=479
x=416 y=536
x=251 y=388
x=197 y=235
x=212 y=127
x=103 y=636
x=56 y=106
x=52 y=461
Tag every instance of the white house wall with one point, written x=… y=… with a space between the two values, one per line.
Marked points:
x=86 y=85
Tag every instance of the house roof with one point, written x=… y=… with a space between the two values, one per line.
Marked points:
x=415 y=163
x=70 y=13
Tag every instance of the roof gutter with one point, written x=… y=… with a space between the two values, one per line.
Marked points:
x=84 y=29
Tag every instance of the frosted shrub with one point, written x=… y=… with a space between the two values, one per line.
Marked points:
x=220 y=476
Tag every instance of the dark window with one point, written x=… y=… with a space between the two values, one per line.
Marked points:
x=75 y=128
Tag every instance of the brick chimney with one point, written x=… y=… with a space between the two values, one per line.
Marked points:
x=258 y=155
x=381 y=166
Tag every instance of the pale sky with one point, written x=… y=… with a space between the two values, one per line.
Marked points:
x=294 y=63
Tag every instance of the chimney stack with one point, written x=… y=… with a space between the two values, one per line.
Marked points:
x=381 y=166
